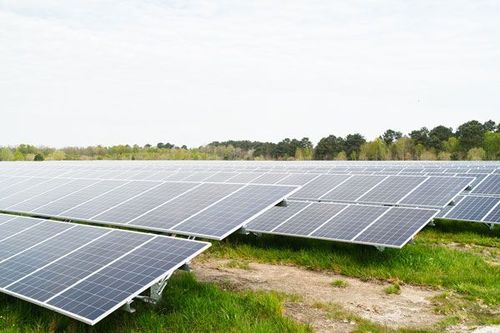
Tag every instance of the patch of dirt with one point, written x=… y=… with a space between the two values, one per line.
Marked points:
x=411 y=308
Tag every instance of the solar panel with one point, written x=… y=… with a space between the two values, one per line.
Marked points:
x=350 y=222
x=353 y=223
x=81 y=271
x=319 y=186
x=228 y=215
x=309 y=219
x=489 y=185
x=436 y=191
x=171 y=213
x=352 y=188
x=109 y=199
x=276 y=215
x=392 y=189
x=472 y=208
x=65 y=203
x=494 y=215
x=144 y=202
x=396 y=227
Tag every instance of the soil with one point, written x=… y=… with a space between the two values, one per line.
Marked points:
x=367 y=299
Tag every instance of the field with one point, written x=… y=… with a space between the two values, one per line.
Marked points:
x=447 y=279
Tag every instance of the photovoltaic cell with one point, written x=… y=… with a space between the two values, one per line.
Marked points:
x=297 y=179
x=309 y=219
x=392 y=189
x=396 y=227
x=124 y=277
x=472 y=208
x=275 y=216
x=319 y=186
x=85 y=272
x=43 y=199
x=174 y=212
x=135 y=207
x=228 y=215
x=494 y=215
x=81 y=196
x=490 y=185
x=105 y=201
x=436 y=191
x=351 y=221
x=352 y=188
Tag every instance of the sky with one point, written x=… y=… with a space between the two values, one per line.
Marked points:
x=88 y=72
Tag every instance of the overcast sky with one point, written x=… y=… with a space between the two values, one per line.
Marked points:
x=86 y=72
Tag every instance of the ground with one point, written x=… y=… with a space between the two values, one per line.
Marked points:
x=411 y=308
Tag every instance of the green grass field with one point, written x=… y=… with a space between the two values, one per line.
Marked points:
x=459 y=259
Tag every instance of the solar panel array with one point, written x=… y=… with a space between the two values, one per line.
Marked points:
x=475 y=208
x=382 y=226
x=81 y=271
x=88 y=272
x=418 y=191
x=208 y=210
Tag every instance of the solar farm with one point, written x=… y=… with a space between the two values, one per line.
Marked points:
x=86 y=239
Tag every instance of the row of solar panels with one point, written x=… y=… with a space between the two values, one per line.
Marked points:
x=133 y=167
x=360 y=224
x=208 y=210
x=82 y=271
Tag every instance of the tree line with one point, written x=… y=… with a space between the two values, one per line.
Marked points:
x=472 y=140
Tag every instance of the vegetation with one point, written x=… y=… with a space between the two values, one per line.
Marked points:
x=340 y=283
x=472 y=141
x=393 y=288
x=424 y=262
x=187 y=306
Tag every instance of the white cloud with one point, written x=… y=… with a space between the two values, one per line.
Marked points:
x=103 y=72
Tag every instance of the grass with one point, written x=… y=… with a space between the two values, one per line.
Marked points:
x=339 y=283
x=187 y=306
x=424 y=262
x=393 y=289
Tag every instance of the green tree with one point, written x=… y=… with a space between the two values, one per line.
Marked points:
x=6 y=154
x=476 y=154
x=489 y=126
x=470 y=135
x=491 y=145
x=38 y=157
x=328 y=148
x=403 y=149
x=390 y=136
x=374 y=150
x=352 y=145
x=420 y=137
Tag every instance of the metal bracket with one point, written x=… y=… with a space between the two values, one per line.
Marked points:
x=431 y=223
x=128 y=307
x=282 y=203
x=243 y=230
x=155 y=291
x=380 y=248
x=491 y=226
x=256 y=234
x=186 y=267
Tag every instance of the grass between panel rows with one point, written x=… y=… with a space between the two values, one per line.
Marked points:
x=428 y=261
x=187 y=306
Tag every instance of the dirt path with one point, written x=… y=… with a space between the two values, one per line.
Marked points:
x=411 y=308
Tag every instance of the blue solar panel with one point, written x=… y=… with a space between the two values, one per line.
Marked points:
x=81 y=271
